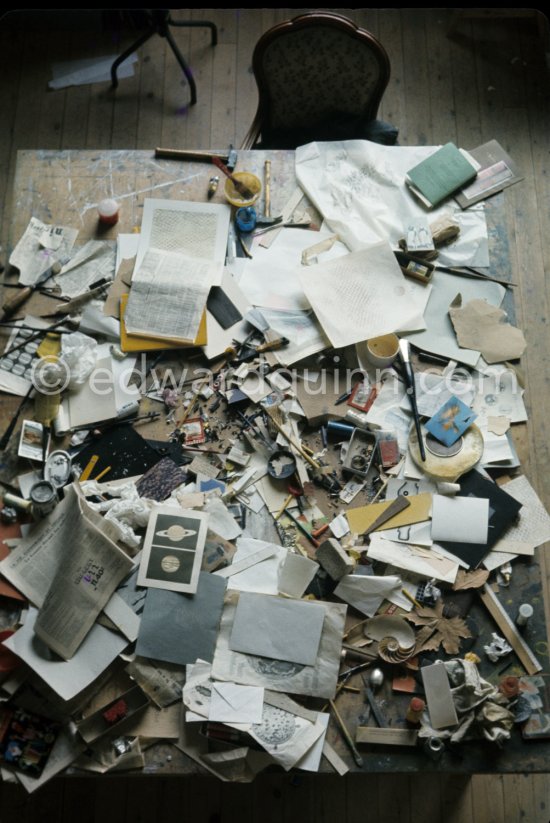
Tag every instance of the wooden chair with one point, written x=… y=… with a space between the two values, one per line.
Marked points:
x=319 y=77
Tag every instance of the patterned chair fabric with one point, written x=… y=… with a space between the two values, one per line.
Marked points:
x=319 y=77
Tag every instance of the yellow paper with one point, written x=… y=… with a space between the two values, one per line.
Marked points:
x=362 y=518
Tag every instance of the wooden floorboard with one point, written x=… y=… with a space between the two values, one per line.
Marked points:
x=489 y=79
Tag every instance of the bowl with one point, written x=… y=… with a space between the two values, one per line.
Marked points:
x=250 y=181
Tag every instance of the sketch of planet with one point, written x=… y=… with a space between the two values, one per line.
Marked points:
x=176 y=533
x=169 y=563
x=277 y=726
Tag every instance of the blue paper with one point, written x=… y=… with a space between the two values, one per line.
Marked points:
x=451 y=421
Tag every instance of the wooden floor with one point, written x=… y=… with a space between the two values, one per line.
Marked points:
x=489 y=80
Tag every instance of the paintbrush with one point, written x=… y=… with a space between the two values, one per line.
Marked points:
x=243 y=190
x=408 y=375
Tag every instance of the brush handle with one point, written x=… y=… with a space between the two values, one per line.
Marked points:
x=243 y=190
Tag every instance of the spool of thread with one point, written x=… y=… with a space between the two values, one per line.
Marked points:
x=356 y=418
x=341 y=430
x=414 y=712
x=108 y=211
x=525 y=612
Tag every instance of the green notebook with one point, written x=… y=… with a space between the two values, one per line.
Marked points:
x=439 y=175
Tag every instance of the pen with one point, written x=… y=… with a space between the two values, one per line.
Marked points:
x=342 y=397
x=267 y=187
x=347 y=737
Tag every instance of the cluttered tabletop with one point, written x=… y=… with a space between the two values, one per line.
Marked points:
x=262 y=417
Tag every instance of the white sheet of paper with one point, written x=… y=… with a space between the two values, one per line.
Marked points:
x=494 y=560
x=499 y=394
x=533 y=525
x=412 y=558
x=366 y=592
x=311 y=761
x=95 y=400
x=302 y=330
x=460 y=519
x=233 y=703
x=295 y=574
x=269 y=279
x=89 y=70
x=218 y=338
x=194 y=229
x=359 y=188
x=66 y=677
x=339 y=526
x=367 y=288
x=261 y=577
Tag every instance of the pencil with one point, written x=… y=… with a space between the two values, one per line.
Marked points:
x=103 y=473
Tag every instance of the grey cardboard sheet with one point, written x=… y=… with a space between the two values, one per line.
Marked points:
x=278 y=628
x=179 y=628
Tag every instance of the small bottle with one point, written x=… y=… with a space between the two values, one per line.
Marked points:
x=525 y=612
x=108 y=211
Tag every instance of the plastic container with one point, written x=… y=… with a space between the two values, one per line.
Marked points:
x=250 y=181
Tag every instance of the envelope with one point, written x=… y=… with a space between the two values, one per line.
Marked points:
x=232 y=703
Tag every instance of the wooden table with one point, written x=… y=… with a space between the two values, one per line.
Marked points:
x=65 y=188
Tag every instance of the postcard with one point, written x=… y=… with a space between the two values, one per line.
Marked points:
x=172 y=549
x=31 y=442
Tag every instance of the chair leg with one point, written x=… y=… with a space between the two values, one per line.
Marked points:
x=199 y=24
x=134 y=47
x=184 y=67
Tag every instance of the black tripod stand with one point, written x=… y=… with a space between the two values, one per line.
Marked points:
x=160 y=23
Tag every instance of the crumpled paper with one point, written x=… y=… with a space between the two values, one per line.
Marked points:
x=126 y=511
x=481 y=708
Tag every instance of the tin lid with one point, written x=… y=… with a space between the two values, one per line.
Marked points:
x=58 y=468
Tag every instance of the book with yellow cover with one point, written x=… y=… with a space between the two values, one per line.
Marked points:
x=135 y=342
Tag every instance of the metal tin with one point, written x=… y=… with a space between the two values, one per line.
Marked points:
x=58 y=468
x=281 y=464
x=43 y=496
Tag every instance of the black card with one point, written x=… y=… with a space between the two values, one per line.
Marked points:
x=121 y=450
x=503 y=511
x=222 y=309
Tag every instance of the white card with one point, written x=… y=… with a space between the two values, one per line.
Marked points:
x=460 y=519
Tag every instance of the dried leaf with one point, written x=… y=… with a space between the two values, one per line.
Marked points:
x=438 y=630
x=451 y=630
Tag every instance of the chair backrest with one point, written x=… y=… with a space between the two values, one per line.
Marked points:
x=319 y=76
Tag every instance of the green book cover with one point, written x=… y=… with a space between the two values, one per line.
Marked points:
x=439 y=175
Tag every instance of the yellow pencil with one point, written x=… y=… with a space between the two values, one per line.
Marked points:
x=103 y=473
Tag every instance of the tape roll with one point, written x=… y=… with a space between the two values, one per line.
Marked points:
x=447 y=463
